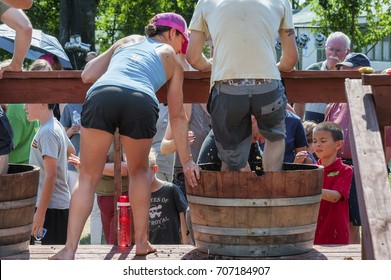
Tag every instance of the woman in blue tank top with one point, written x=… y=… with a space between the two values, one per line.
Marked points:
x=126 y=78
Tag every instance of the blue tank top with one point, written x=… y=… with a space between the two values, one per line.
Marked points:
x=137 y=67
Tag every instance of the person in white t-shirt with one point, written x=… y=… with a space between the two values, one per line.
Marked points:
x=245 y=78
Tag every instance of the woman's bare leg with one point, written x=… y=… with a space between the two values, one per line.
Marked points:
x=94 y=146
x=137 y=152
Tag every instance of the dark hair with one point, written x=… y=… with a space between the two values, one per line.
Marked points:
x=333 y=128
x=153 y=30
x=51 y=106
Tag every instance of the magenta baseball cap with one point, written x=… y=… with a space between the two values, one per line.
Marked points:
x=175 y=21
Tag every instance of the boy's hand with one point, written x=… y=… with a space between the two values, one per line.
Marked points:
x=191 y=137
x=300 y=157
x=74 y=160
x=38 y=221
x=75 y=129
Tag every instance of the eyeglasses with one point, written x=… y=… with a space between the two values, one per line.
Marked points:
x=335 y=50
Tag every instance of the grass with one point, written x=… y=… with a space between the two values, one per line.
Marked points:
x=85 y=238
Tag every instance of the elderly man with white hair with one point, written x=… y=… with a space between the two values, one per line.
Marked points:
x=337 y=48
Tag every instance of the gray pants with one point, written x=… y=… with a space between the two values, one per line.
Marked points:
x=231 y=107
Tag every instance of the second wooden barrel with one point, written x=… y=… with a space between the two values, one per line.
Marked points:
x=18 y=194
x=241 y=214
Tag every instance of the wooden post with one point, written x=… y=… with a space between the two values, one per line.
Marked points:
x=373 y=187
x=117 y=180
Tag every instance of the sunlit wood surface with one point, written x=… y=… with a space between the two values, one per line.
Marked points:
x=180 y=252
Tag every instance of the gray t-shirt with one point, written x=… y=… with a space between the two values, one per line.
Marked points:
x=52 y=141
x=200 y=123
x=165 y=162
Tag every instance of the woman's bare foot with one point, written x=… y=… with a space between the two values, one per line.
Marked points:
x=145 y=250
x=63 y=254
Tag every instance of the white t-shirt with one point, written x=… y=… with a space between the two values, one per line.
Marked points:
x=244 y=35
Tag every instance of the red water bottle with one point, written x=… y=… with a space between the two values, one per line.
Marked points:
x=123 y=209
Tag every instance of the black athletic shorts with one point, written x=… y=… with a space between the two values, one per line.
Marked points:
x=108 y=107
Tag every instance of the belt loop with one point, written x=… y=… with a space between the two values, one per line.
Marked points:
x=218 y=88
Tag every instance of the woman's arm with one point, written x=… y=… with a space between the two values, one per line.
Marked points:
x=178 y=120
x=168 y=144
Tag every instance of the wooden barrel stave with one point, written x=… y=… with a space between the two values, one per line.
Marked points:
x=268 y=250
x=15 y=235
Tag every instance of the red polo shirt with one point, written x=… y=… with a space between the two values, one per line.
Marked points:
x=333 y=218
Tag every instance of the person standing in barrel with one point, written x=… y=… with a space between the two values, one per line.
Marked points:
x=245 y=78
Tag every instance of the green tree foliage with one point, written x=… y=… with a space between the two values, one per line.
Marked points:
x=118 y=18
x=343 y=15
x=45 y=15
x=114 y=19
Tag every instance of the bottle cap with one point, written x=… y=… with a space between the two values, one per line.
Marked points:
x=123 y=198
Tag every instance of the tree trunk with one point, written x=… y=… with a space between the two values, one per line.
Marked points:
x=78 y=18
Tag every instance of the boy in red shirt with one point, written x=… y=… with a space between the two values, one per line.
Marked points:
x=333 y=218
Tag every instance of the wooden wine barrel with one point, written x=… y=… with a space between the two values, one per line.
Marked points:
x=241 y=214
x=18 y=194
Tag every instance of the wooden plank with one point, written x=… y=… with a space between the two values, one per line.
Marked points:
x=117 y=180
x=382 y=99
x=373 y=187
x=67 y=87
x=180 y=252
x=376 y=79
x=381 y=90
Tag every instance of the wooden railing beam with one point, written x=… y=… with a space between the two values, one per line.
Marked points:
x=67 y=87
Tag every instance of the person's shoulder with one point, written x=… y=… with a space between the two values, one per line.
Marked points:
x=48 y=131
x=342 y=167
x=168 y=51
x=346 y=168
x=135 y=38
x=128 y=40
x=315 y=66
x=15 y=110
x=292 y=115
x=170 y=185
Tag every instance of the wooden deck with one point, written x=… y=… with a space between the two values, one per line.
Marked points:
x=181 y=252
